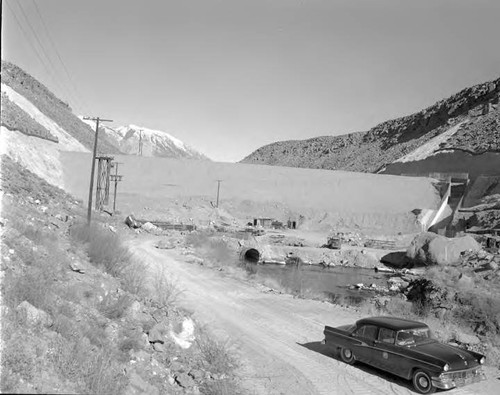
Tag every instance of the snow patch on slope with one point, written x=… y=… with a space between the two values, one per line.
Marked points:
x=66 y=141
x=154 y=143
x=431 y=147
x=113 y=134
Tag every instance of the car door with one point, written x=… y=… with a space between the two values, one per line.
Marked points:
x=385 y=354
x=363 y=348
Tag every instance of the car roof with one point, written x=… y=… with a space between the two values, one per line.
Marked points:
x=393 y=323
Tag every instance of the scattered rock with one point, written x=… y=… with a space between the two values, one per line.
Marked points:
x=197 y=374
x=131 y=222
x=149 y=227
x=184 y=380
x=75 y=266
x=465 y=338
x=159 y=315
x=165 y=245
x=141 y=356
x=160 y=347
x=465 y=282
x=134 y=310
x=157 y=333
x=138 y=386
x=32 y=316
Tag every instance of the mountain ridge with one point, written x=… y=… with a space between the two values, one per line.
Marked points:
x=391 y=140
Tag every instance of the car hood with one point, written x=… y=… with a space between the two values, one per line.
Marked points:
x=457 y=358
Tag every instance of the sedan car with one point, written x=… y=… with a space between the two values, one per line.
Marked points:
x=405 y=348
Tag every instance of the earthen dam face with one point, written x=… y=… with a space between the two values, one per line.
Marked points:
x=326 y=199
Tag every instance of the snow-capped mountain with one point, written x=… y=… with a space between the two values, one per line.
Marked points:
x=138 y=140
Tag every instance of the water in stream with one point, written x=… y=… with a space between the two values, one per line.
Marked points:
x=333 y=282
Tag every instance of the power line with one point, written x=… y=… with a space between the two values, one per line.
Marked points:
x=47 y=33
x=70 y=95
x=41 y=58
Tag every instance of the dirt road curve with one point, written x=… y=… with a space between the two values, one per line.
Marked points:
x=276 y=336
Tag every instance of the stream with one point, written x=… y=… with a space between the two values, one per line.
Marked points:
x=332 y=282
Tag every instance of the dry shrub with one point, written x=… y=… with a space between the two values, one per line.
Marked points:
x=36 y=234
x=114 y=308
x=65 y=327
x=216 y=356
x=93 y=369
x=33 y=285
x=166 y=290
x=481 y=313
x=133 y=277
x=400 y=308
x=19 y=359
x=106 y=250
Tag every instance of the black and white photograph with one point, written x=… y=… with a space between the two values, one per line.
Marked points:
x=250 y=197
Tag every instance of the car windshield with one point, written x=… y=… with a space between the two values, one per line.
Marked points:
x=413 y=337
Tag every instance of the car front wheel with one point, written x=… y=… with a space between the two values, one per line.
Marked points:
x=347 y=356
x=422 y=382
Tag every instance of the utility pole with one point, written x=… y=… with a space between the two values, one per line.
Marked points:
x=218 y=190
x=97 y=120
x=116 y=178
x=140 y=142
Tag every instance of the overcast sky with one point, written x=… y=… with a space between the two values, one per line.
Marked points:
x=229 y=76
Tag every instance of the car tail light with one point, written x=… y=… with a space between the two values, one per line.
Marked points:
x=481 y=361
x=446 y=367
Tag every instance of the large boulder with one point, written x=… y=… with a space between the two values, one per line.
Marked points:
x=431 y=249
x=31 y=316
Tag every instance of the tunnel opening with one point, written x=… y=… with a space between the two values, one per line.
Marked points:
x=251 y=255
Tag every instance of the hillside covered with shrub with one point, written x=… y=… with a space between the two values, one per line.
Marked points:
x=79 y=313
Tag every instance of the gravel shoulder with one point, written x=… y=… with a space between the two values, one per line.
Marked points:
x=276 y=337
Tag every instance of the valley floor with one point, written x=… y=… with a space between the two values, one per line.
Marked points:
x=277 y=337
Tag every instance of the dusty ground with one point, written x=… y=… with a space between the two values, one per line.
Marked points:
x=276 y=336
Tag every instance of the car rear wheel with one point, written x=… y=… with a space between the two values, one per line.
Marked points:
x=347 y=356
x=422 y=382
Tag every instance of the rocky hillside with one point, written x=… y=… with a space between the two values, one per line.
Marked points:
x=52 y=107
x=391 y=140
x=154 y=142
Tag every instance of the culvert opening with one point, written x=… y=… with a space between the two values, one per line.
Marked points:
x=251 y=255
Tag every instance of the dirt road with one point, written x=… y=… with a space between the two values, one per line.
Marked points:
x=276 y=337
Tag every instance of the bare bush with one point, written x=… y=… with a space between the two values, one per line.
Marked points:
x=114 y=308
x=93 y=369
x=216 y=356
x=166 y=290
x=105 y=249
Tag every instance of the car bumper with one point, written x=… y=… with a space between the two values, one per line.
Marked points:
x=450 y=380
